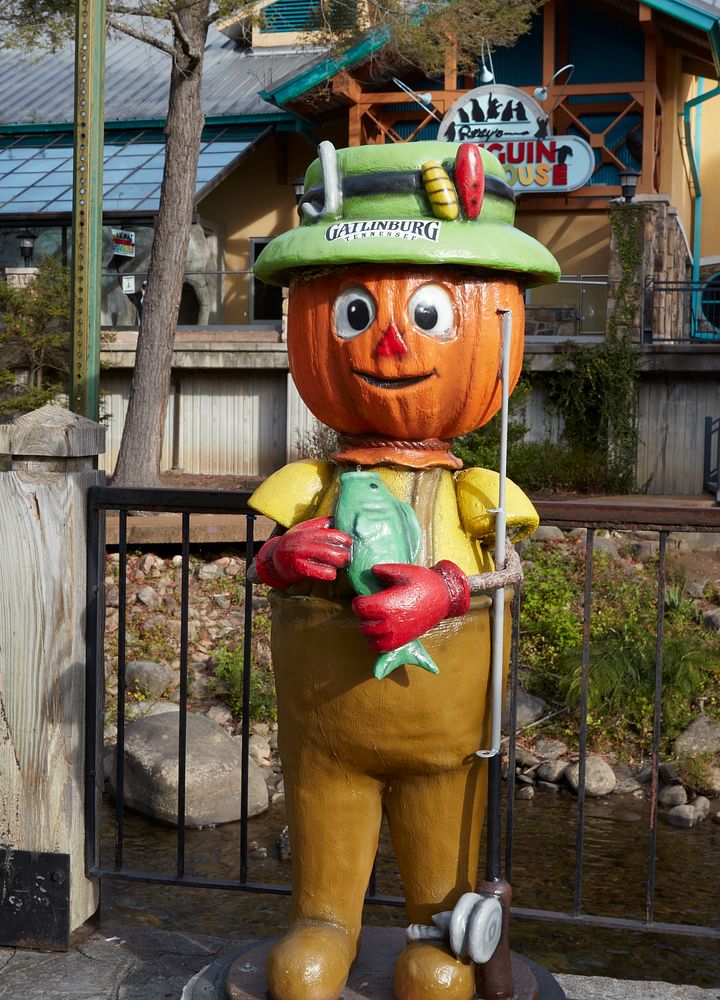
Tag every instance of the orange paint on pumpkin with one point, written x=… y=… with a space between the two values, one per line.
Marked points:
x=442 y=387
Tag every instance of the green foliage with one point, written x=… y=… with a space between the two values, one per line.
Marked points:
x=622 y=644
x=418 y=32
x=537 y=466
x=699 y=773
x=47 y=23
x=34 y=339
x=149 y=641
x=481 y=447
x=594 y=389
x=229 y=671
x=627 y=223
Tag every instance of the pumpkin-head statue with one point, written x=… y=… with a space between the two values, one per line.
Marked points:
x=404 y=261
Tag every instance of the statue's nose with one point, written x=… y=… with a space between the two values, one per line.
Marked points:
x=391 y=343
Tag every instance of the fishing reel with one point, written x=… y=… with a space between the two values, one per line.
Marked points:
x=472 y=928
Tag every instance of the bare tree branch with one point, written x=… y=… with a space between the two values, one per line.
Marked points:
x=140 y=35
x=120 y=8
x=190 y=51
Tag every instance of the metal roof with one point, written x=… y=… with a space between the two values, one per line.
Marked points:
x=36 y=171
x=39 y=87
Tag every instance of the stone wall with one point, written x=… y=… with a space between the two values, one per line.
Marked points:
x=555 y=321
x=660 y=314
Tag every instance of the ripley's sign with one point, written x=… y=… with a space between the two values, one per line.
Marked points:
x=513 y=126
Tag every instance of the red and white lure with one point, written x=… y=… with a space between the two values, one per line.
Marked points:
x=470 y=179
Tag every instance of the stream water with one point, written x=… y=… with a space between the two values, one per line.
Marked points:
x=616 y=838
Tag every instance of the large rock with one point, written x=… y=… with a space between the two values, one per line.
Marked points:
x=548 y=533
x=147 y=678
x=672 y=795
x=701 y=808
x=550 y=749
x=701 y=736
x=682 y=816
x=711 y=619
x=529 y=709
x=599 y=776
x=604 y=544
x=213 y=770
x=551 y=770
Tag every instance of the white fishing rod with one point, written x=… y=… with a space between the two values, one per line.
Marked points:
x=498 y=639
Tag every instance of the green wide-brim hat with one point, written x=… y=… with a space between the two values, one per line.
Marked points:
x=370 y=204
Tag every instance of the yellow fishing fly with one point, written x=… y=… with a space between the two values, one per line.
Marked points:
x=440 y=191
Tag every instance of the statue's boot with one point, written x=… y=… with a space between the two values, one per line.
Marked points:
x=312 y=962
x=429 y=971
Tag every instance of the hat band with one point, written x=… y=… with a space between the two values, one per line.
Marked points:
x=391 y=182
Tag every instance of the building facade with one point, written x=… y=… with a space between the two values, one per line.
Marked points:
x=630 y=82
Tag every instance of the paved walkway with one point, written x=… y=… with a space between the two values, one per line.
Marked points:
x=144 y=964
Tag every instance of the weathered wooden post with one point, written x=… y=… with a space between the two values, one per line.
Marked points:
x=48 y=460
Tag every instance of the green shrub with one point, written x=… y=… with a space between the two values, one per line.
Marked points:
x=229 y=670
x=569 y=466
x=699 y=772
x=622 y=644
x=34 y=339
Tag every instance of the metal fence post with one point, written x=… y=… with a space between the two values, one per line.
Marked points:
x=87 y=206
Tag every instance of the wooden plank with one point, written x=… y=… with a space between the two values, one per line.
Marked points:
x=600 y=513
x=42 y=653
x=205 y=529
x=451 y=64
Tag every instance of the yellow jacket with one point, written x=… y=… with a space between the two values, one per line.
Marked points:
x=455 y=510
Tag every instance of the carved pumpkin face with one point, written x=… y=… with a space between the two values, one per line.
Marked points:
x=406 y=353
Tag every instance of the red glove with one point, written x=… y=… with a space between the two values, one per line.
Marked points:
x=415 y=599
x=311 y=549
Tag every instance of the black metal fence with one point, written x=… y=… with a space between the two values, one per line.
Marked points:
x=188 y=503
x=681 y=311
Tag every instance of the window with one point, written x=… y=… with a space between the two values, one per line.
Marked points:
x=265 y=300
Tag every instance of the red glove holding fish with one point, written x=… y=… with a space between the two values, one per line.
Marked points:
x=310 y=550
x=414 y=600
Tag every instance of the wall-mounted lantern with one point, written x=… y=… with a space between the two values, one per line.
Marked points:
x=629 y=178
x=26 y=239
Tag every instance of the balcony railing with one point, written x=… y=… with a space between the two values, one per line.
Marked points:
x=681 y=312
x=575 y=307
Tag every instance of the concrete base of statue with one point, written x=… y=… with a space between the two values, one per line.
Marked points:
x=240 y=975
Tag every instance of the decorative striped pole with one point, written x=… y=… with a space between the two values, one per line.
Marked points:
x=87 y=207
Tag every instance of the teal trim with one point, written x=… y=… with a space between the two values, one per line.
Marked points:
x=285 y=121
x=685 y=12
x=714 y=38
x=694 y=158
x=324 y=70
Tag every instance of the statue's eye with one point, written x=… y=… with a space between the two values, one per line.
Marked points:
x=354 y=312
x=431 y=311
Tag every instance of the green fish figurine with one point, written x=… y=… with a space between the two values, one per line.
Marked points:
x=383 y=529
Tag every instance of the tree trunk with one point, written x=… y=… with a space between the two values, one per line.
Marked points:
x=138 y=461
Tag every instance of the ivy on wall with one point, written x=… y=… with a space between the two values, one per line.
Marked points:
x=595 y=387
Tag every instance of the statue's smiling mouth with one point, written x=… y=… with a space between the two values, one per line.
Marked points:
x=385 y=382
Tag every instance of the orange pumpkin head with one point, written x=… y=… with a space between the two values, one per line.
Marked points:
x=403 y=352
